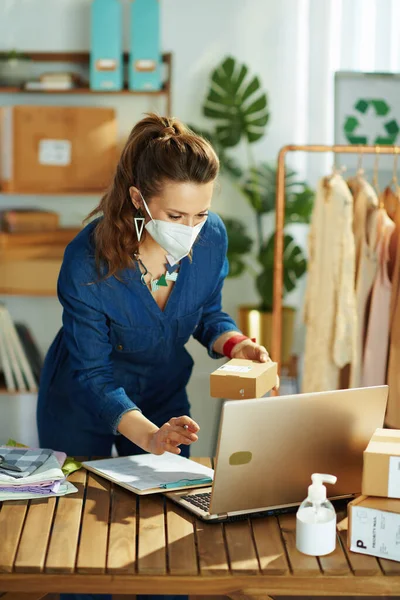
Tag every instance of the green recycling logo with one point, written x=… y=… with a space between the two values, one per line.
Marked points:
x=353 y=127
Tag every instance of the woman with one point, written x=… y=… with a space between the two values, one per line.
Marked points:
x=134 y=287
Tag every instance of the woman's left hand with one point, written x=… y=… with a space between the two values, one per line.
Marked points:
x=251 y=351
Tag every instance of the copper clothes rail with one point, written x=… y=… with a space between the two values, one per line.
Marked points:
x=280 y=218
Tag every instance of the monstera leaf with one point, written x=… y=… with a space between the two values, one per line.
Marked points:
x=259 y=187
x=227 y=164
x=294 y=266
x=237 y=103
x=239 y=245
x=299 y=206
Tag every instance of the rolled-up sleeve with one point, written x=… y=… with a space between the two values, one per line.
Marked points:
x=214 y=321
x=87 y=338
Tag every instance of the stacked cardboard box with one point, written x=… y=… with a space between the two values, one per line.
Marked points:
x=374 y=517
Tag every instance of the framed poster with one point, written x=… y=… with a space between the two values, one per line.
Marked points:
x=367 y=111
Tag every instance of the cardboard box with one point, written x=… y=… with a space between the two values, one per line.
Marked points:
x=240 y=379
x=374 y=527
x=381 y=473
x=34 y=277
x=23 y=220
x=53 y=149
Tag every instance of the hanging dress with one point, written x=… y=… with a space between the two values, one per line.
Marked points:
x=329 y=309
x=393 y=375
x=377 y=335
x=365 y=231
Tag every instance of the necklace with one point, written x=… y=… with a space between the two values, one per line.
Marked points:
x=171 y=274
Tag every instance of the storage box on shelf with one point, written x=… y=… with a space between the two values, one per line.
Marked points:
x=30 y=262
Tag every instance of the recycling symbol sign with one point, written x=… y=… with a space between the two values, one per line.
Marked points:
x=377 y=109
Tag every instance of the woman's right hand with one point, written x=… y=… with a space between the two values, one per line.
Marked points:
x=177 y=431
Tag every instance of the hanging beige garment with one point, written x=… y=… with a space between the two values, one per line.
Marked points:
x=365 y=236
x=377 y=337
x=393 y=376
x=329 y=309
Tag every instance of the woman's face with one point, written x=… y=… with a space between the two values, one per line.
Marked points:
x=186 y=203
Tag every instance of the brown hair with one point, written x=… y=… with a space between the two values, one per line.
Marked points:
x=158 y=149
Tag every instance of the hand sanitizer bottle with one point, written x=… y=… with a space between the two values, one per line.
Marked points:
x=316 y=519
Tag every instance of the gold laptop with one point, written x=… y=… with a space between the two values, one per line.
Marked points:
x=268 y=449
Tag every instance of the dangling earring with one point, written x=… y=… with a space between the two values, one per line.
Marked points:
x=139 y=225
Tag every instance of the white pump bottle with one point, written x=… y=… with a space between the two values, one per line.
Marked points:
x=316 y=519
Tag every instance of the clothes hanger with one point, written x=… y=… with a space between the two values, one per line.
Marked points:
x=391 y=194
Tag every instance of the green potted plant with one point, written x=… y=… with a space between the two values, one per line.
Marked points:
x=239 y=109
x=14 y=68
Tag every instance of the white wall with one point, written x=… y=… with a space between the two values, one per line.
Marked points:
x=294 y=45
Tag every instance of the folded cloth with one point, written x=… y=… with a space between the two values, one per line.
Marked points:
x=26 y=459
x=40 y=489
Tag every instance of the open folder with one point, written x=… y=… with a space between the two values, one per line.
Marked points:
x=150 y=474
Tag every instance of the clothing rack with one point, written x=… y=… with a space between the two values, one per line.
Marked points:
x=276 y=343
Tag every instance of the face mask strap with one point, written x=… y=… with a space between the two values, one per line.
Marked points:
x=145 y=205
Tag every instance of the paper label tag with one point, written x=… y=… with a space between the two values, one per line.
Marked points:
x=234 y=368
x=55 y=152
x=375 y=532
x=394 y=477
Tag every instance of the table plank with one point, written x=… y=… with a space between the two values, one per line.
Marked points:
x=61 y=556
x=301 y=565
x=361 y=564
x=270 y=549
x=390 y=567
x=336 y=562
x=213 y=559
x=12 y=516
x=35 y=536
x=121 y=556
x=151 y=543
x=182 y=558
x=94 y=532
x=241 y=551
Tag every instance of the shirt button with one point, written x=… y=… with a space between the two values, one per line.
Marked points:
x=120 y=347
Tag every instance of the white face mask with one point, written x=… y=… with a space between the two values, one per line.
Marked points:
x=176 y=239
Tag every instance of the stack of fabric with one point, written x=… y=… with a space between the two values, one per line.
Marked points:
x=31 y=473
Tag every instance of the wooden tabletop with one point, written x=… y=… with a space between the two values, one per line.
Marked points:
x=104 y=539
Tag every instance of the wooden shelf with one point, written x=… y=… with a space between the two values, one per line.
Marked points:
x=83 y=90
x=57 y=194
x=83 y=58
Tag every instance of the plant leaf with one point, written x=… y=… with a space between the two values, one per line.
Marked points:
x=237 y=104
x=294 y=267
x=239 y=245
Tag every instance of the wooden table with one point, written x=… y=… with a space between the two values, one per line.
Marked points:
x=105 y=540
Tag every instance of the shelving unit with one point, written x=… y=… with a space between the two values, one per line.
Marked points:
x=82 y=60
x=48 y=268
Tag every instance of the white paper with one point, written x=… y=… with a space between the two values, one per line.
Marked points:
x=147 y=471
x=235 y=368
x=49 y=471
x=55 y=152
x=65 y=488
x=394 y=477
x=375 y=532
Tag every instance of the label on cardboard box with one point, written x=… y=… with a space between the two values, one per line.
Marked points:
x=55 y=152
x=394 y=477
x=375 y=532
x=234 y=368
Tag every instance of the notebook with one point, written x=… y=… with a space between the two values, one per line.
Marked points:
x=150 y=474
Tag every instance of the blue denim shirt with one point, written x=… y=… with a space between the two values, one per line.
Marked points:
x=117 y=350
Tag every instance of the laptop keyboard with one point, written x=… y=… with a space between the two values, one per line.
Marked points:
x=199 y=500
